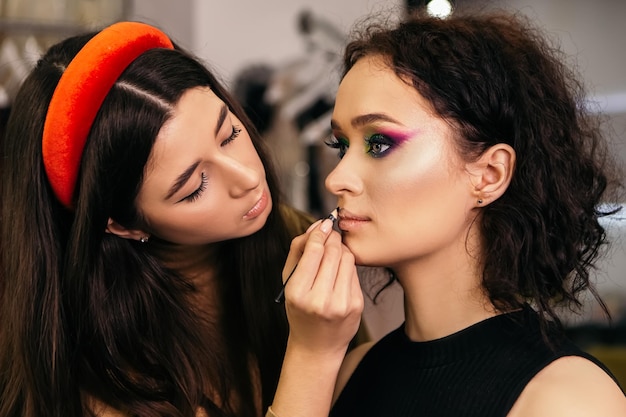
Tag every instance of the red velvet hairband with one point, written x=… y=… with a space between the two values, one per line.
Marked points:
x=80 y=93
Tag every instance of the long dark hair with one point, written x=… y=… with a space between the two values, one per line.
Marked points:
x=497 y=79
x=85 y=313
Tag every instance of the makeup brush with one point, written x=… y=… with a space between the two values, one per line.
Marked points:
x=281 y=295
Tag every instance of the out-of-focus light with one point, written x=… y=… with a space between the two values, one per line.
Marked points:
x=439 y=8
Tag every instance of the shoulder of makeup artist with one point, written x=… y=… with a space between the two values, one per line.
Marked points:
x=472 y=168
x=144 y=241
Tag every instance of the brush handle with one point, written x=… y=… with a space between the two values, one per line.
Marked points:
x=281 y=295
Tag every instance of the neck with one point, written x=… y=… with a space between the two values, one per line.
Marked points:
x=442 y=295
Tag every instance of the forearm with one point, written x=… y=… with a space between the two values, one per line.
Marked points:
x=324 y=303
x=306 y=383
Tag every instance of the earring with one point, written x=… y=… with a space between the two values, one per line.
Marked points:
x=480 y=201
x=144 y=239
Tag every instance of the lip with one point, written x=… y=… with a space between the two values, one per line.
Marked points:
x=258 y=208
x=349 y=221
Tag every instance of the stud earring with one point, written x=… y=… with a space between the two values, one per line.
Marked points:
x=144 y=239
x=480 y=201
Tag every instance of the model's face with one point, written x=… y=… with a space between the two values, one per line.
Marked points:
x=204 y=181
x=402 y=189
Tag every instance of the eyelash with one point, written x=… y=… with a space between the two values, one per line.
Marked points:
x=375 y=140
x=235 y=132
x=203 y=184
x=340 y=144
x=196 y=194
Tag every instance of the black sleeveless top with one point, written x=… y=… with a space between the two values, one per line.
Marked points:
x=477 y=372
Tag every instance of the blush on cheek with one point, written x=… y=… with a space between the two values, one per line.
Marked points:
x=414 y=184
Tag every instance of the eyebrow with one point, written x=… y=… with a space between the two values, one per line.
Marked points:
x=184 y=177
x=366 y=119
x=221 y=118
x=182 y=180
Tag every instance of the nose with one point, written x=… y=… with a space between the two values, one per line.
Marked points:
x=241 y=176
x=344 y=178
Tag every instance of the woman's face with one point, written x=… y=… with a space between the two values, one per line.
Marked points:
x=204 y=180
x=403 y=191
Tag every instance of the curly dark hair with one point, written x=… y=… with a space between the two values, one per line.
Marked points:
x=496 y=78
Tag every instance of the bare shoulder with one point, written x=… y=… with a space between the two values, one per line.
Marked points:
x=349 y=364
x=571 y=386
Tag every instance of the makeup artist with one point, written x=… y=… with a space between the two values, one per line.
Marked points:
x=471 y=168
x=143 y=243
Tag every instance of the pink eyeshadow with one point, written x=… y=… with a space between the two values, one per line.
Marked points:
x=398 y=136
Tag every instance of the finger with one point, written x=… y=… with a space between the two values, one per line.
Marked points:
x=313 y=226
x=296 y=249
x=348 y=296
x=295 y=253
x=356 y=293
x=347 y=277
x=325 y=279
x=309 y=263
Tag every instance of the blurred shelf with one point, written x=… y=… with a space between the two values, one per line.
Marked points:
x=37 y=27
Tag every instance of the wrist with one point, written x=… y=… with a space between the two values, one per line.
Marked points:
x=307 y=382
x=306 y=351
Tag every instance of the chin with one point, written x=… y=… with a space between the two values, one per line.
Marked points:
x=365 y=256
x=360 y=257
x=261 y=220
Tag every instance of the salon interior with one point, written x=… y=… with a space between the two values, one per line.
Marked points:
x=281 y=59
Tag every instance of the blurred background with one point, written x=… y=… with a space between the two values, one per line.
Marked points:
x=281 y=59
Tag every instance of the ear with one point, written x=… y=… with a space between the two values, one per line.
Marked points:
x=121 y=231
x=491 y=174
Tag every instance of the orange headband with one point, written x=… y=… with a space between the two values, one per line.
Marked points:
x=80 y=93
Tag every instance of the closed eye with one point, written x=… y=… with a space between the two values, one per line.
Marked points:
x=236 y=130
x=198 y=192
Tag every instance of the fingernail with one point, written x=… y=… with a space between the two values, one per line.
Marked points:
x=326 y=225
x=312 y=226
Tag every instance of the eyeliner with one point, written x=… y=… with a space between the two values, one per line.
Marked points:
x=281 y=295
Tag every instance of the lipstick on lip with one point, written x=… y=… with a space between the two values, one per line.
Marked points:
x=281 y=295
x=348 y=220
x=258 y=207
x=345 y=214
